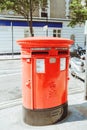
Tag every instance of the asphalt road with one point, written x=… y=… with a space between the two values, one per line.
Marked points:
x=10 y=81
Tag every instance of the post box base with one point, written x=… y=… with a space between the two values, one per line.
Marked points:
x=39 y=117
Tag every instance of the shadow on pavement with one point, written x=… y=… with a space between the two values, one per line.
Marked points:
x=76 y=113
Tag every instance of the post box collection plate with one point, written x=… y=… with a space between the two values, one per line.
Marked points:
x=62 y=63
x=40 y=65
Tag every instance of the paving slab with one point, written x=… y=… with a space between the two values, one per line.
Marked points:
x=11 y=118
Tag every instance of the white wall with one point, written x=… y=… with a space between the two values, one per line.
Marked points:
x=5 y=39
x=78 y=31
x=18 y=33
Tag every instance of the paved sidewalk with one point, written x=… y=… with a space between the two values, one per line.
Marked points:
x=11 y=118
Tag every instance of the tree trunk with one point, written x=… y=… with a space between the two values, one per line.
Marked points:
x=31 y=27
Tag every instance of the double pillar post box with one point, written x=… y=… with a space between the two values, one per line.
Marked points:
x=45 y=63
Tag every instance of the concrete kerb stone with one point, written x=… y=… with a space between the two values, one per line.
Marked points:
x=10 y=103
x=6 y=57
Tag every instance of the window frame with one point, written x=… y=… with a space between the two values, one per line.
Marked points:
x=56 y=32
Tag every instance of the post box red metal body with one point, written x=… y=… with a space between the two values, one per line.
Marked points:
x=45 y=63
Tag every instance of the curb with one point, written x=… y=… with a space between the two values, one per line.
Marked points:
x=10 y=56
x=15 y=57
x=4 y=59
x=11 y=103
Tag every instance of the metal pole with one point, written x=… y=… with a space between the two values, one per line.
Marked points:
x=86 y=62
x=47 y=31
x=12 y=40
x=86 y=72
x=47 y=26
x=47 y=23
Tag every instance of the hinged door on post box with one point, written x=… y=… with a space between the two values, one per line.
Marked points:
x=27 y=88
x=50 y=78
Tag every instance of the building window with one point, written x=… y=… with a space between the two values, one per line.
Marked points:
x=44 y=12
x=56 y=33
x=44 y=9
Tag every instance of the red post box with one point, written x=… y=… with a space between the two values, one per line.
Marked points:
x=45 y=63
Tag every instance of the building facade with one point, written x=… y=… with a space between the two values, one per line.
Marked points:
x=51 y=20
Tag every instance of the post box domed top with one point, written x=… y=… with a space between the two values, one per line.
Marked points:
x=45 y=42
